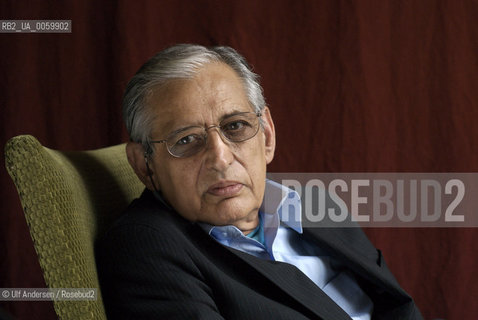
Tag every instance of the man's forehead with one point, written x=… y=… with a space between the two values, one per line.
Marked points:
x=189 y=102
x=216 y=81
x=169 y=121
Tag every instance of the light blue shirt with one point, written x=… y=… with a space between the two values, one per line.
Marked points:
x=279 y=238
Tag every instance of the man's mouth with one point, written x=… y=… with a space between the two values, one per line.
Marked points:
x=225 y=188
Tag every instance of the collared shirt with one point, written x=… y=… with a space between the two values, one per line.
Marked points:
x=279 y=238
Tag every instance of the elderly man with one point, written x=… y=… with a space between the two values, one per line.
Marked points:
x=202 y=241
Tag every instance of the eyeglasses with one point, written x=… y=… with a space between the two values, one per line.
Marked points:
x=191 y=140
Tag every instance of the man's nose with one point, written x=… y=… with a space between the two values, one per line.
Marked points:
x=218 y=150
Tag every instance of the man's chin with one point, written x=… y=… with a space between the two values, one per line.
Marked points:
x=234 y=211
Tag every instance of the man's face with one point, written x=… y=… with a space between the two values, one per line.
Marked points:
x=224 y=183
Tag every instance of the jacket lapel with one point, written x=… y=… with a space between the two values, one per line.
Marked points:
x=353 y=249
x=296 y=285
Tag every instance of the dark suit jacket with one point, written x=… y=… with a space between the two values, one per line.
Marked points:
x=154 y=264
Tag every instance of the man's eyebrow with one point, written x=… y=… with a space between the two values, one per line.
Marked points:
x=232 y=113
x=179 y=127
x=224 y=116
x=182 y=129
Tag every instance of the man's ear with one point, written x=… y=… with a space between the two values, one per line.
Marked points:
x=137 y=160
x=270 y=135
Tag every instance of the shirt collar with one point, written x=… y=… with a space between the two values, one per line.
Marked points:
x=280 y=200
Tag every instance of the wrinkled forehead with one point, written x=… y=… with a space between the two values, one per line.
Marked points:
x=213 y=93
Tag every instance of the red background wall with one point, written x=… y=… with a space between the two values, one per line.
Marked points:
x=353 y=86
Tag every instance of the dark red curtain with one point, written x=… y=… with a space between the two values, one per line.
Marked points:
x=353 y=86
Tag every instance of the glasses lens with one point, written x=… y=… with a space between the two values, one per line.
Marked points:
x=240 y=127
x=186 y=143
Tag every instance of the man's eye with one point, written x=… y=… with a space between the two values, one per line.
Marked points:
x=187 y=139
x=235 y=125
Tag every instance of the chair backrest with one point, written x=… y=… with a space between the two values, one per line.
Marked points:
x=68 y=199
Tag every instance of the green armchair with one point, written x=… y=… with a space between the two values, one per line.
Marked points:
x=69 y=198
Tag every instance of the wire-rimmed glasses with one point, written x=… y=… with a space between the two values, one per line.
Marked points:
x=191 y=140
